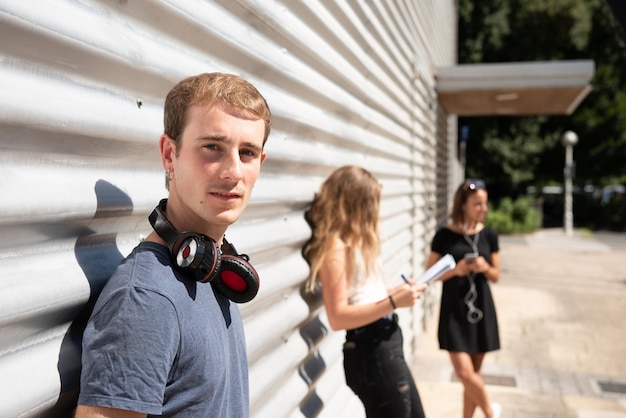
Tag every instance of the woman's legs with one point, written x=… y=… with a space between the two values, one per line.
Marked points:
x=380 y=376
x=467 y=367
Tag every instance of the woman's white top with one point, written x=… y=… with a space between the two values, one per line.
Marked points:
x=363 y=290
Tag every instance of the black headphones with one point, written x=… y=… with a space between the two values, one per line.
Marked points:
x=199 y=256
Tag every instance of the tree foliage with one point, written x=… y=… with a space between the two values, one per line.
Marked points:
x=514 y=152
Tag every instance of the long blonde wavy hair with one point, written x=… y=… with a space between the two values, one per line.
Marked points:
x=345 y=207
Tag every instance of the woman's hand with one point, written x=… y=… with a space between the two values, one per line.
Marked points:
x=479 y=265
x=464 y=267
x=405 y=295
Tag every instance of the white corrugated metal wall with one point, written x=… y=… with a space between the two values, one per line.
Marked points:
x=82 y=85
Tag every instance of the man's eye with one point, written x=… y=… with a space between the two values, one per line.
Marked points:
x=248 y=153
x=211 y=146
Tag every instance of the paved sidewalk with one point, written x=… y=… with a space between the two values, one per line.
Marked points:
x=561 y=305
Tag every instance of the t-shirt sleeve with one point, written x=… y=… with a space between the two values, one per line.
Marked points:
x=129 y=348
x=494 y=244
x=439 y=244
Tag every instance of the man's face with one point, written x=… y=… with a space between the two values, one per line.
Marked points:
x=219 y=160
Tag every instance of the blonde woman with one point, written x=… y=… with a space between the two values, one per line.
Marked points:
x=468 y=326
x=344 y=258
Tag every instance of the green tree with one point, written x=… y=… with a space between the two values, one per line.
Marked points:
x=511 y=153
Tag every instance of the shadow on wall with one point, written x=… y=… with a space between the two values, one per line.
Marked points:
x=314 y=366
x=98 y=256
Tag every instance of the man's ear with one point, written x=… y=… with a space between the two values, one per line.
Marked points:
x=168 y=152
x=263 y=156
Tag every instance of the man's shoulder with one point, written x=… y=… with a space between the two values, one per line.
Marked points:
x=147 y=265
x=146 y=255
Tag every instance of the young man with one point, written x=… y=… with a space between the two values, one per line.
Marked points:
x=160 y=340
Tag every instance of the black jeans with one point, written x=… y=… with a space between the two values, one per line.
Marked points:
x=377 y=373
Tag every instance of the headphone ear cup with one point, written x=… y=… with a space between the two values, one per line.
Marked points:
x=197 y=255
x=194 y=254
x=237 y=280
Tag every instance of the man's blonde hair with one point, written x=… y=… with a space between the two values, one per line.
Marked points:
x=208 y=89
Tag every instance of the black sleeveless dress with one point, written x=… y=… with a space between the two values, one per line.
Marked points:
x=456 y=332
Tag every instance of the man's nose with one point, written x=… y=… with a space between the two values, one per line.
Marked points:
x=231 y=166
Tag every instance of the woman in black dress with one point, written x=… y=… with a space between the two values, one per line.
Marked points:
x=468 y=326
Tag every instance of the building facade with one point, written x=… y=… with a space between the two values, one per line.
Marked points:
x=83 y=84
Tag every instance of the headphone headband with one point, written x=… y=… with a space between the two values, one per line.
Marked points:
x=199 y=256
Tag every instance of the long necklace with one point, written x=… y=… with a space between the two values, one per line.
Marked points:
x=474 y=315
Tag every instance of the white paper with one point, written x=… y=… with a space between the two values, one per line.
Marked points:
x=444 y=264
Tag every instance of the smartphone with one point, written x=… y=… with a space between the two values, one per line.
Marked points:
x=470 y=257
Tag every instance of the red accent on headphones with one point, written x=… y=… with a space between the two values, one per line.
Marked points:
x=233 y=281
x=198 y=256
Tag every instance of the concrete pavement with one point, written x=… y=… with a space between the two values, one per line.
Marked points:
x=561 y=305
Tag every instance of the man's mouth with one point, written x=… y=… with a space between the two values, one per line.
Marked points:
x=226 y=195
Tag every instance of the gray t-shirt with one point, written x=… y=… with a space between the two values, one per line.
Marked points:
x=162 y=344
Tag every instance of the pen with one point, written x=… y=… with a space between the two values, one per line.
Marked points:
x=405 y=279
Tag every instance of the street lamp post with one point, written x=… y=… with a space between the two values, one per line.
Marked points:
x=569 y=139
